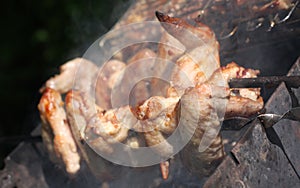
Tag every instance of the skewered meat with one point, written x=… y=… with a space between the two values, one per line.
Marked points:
x=196 y=100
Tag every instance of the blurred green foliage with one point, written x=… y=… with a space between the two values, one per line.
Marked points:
x=37 y=37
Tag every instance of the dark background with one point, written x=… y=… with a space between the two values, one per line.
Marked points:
x=36 y=38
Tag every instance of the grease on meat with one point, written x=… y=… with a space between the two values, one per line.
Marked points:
x=53 y=115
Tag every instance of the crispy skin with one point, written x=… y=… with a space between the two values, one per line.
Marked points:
x=158 y=115
x=109 y=126
x=191 y=37
x=200 y=42
x=53 y=115
x=95 y=122
x=232 y=70
x=187 y=73
x=201 y=59
x=243 y=107
x=242 y=102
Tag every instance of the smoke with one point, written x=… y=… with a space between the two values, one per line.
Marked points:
x=94 y=20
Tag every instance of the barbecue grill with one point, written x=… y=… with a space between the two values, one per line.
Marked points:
x=267 y=40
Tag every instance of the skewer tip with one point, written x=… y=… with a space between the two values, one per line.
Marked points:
x=161 y=16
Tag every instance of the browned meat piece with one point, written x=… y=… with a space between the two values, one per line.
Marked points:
x=109 y=126
x=142 y=55
x=242 y=102
x=243 y=107
x=53 y=115
x=191 y=37
x=93 y=123
x=73 y=75
x=132 y=87
x=107 y=77
x=158 y=142
x=157 y=115
x=202 y=56
x=169 y=49
x=232 y=70
x=142 y=62
x=78 y=111
x=202 y=110
x=187 y=73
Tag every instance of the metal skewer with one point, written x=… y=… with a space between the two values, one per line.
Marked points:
x=268 y=120
x=267 y=81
